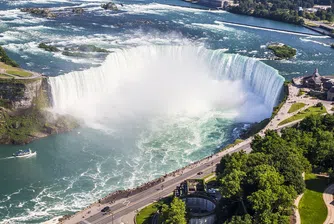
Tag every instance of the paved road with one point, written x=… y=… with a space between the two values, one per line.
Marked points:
x=138 y=201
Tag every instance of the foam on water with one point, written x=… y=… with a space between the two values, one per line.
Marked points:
x=161 y=79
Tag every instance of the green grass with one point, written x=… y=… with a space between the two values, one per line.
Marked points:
x=213 y=178
x=237 y=141
x=3 y=76
x=146 y=213
x=15 y=71
x=302 y=114
x=301 y=92
x=19 y=72
x=296 y=106
x=312 y=207
x=144 y=216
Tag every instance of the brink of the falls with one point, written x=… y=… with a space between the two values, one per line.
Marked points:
x=169 y=80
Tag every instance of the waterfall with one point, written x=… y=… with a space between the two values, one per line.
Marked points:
x=130 y=65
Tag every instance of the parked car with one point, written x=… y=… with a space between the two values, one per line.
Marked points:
x=105 y=209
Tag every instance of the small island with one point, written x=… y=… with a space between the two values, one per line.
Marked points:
x=81 y=51
x=282 y=51
x=48 y=47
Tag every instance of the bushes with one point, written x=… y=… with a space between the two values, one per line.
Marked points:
x=5 y=59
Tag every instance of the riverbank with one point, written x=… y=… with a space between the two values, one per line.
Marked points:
x=321 y=32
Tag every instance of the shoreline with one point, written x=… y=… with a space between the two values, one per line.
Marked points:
x=208 y=8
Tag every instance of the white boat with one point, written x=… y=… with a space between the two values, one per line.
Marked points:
x=24 y=153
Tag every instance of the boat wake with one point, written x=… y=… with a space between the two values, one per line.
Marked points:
x=10 y=157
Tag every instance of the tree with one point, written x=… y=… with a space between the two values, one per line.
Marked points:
x=175 y=213
x=246 y=219
x=272 y=201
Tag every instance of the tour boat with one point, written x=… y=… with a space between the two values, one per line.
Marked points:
x=24 y=153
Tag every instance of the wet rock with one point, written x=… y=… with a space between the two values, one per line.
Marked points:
x=78 y=10
x=109 y=6
x=40 y=12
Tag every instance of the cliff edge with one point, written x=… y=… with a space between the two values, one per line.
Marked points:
x=24 y=114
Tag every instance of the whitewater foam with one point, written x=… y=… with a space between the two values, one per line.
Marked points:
x=150 y=80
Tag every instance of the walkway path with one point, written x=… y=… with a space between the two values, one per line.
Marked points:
x=328 y=198
x=296 y=203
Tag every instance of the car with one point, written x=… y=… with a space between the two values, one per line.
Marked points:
x=105 y=209
x=200 y=173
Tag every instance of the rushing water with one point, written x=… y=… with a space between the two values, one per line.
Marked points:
x=177 y=85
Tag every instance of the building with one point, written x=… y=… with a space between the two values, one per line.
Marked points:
x=320 y=85
x=330 y=94
x=195 y=186
x=314 y=81
x=201 y=209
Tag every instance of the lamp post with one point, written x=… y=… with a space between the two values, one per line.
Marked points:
x=112 y=217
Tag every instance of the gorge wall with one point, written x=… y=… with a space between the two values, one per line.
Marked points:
x=23 y=114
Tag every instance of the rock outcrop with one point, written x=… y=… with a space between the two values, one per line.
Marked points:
x=19 y=94
x=23 y=111
x=44 y=12
x=78 y=10
x=109 y=6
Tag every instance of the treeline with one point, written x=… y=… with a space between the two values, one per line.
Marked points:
x=260 y=187
x=319 y=15
x=6 y=59
x=281 y=10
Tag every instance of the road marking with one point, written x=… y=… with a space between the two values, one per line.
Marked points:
x=126 y=202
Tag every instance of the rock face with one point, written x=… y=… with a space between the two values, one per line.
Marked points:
x=110 y=6
x=23 y=114
x=19 y=94
x=78 y=10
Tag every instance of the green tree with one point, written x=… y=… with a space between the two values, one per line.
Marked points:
x=246 y=219
x=175 y=213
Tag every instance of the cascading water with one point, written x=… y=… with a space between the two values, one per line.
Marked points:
x=169 y=80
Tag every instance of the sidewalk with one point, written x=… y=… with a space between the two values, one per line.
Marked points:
x=328 y=199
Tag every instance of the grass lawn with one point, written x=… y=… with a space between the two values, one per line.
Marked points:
x=213 y=178
x=146 y=213
x=237 y=141
x=312 y=207
x=302 y=114
x=296 y=106
x=15 y=71
x=3 y=76
x=301 y=92
x=144 y=216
